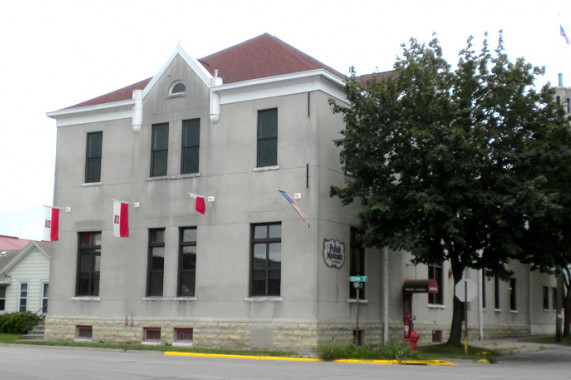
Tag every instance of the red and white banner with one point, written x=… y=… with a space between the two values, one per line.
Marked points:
x=51 y=224
x=120 y=219
x=199 y=205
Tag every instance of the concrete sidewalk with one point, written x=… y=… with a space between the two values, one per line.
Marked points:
x=511 y=345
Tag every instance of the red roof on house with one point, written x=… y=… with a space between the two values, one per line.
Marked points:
x=12 y=243
x=260 y=57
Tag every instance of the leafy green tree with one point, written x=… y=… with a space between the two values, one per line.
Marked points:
x=441 y=160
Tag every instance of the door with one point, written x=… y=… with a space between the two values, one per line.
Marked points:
x=407 y=315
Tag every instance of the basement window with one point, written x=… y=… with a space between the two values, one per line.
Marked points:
x=83 y=333
x=183 y=336
x=152 y=335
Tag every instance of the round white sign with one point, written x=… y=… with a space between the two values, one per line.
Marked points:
x=465 y=289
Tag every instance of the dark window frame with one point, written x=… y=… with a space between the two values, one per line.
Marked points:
x=436 y=272
x=483 y=290
x=159 y=150
x=45 y=291
x=93 y=157
x=154 y=273
x=497 y=304
x=190 y=147
x=356 y=263
x=266 y=269
x=267 y=143
x=554 y=293
x=546 y=298
x=186 y=272
x=88 y=247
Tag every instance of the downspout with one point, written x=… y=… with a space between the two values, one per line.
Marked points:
x=480 y=304
x=137 y=122
x=215 y=98
x=385 y=295
x=530 y=308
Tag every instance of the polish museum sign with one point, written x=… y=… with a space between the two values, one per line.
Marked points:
x=333 y=253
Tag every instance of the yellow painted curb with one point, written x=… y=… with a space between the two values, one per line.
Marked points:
x=483 y=361
x=285 y=358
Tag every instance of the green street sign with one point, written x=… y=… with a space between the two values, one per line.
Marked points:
x=358 y=279
x=358 y=285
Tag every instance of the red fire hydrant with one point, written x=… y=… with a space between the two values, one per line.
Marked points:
x=413 y=339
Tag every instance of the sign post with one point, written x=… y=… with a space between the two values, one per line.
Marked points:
x=465 y=290
x=357 y=284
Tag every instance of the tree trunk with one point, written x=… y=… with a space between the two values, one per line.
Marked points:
x=458 y=306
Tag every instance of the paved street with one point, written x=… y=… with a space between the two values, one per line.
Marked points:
x=39 y=362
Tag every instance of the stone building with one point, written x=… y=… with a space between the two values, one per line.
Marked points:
x=221 y=135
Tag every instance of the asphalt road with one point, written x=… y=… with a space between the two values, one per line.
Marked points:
x=41 y=362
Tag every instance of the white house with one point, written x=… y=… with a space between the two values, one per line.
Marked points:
x=24 y=278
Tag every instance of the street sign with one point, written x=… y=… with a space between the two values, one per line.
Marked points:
x=358 y=285
x=466 y=290
x=358 y=278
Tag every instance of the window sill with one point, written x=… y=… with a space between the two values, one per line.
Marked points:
x=157 y=178
x=513 y=311
x=86 y=299
x=436 y=307
x=183 y=344
x=498 y=310
x=354 y=300
x=91 y=184
x=184 y=299
x=183 y=176
x=83 y=340
x=263 y=299
x=266 y=168
x=151 y=343
x=176 y=95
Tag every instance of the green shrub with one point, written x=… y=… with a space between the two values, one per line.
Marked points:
x=393 y=350
x=18 y=323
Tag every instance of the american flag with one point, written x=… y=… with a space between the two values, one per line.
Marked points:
x=564 y=35
x=290 y=198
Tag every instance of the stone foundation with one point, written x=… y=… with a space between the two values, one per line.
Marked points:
x=284 y=335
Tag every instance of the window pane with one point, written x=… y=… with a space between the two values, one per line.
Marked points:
x=259 y=256
x=178 y=88
x=190 y=160
x=96 y=238
x=156 y=284
x=259 y=282
x=160 y=137
x=159 y=163
x=157 y=236
x=275 y=255
x=93 y=170
x=85 y=263
x=187 y=284
x=274 y=283
x=158 y=258
x=260 y=232
x=191 y=132
x=2 y=292
x=267 y=152
x=268 y=123
x=189 y=258
x=275 y=230
x=94 y=144
x=189 y=235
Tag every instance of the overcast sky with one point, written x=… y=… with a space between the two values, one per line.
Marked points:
x=56 y=53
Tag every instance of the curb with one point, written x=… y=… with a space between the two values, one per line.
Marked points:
x=285 y=358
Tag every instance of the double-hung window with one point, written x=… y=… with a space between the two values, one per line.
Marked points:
x=88 y=264
x=159 y=149
x=156 y=265
x=357 y=263
x=497 y=293
x=266 y=264
x=267 y=138
x=435 y=273
x=93 y=157
x=190 y=146
x=187 y=262
x=23 y=297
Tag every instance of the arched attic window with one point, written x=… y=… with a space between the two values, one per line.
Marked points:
x=177 y=89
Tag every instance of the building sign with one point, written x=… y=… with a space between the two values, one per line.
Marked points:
x=333 y=253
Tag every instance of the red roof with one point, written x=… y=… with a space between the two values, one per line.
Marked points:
x=12 y=242
x=260 y=57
